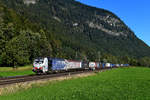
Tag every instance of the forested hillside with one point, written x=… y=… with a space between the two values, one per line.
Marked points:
x=65 y=29
x=20 y=40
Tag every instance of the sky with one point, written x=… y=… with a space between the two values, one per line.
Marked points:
x=135 y=14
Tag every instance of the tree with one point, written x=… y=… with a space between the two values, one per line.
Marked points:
x=145 y=61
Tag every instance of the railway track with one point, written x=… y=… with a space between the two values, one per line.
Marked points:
x=19 y=79
x=12 y=80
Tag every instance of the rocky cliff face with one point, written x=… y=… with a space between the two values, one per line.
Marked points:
x=98 y=19
x=29 y=2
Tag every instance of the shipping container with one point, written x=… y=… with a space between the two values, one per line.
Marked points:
x=112 y=65
x=58 y=64
x=85 y=65
x=126 y=65
x=121 y=65
x=97 y=65
x=108 y=65
x=92 y=65
x=103 y=65
x=70 y=64
x=100 y=65
x=117 y=65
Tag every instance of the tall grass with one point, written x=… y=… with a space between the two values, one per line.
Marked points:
x=117 y=84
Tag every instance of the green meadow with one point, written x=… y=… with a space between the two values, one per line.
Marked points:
x=9 y=71
x=116 y=84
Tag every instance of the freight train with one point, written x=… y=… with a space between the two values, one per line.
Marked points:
x=48 y=65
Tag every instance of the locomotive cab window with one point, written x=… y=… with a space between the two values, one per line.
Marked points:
x=39 y=61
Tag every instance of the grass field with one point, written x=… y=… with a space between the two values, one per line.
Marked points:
x=9 y=71
x=116 y=84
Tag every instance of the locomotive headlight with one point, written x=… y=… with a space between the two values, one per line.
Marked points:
x=35 y=68
x=41 y=68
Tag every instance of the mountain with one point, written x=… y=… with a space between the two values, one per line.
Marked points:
x=66 y=29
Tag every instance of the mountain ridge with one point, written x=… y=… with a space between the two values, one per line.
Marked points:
x=73 y=30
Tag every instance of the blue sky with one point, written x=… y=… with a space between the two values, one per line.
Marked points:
x=135 y=13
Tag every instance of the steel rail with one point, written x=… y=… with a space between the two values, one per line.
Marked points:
x=20 y=79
